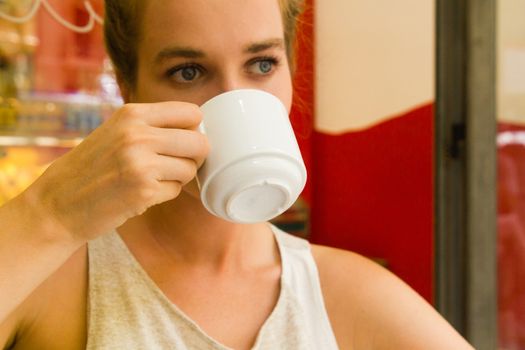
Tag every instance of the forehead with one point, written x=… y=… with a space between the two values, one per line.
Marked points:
x=212 y=25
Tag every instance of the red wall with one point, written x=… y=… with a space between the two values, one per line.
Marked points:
x=373 y=194
x=369 y=191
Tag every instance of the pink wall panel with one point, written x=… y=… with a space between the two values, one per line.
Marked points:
x=66 y=61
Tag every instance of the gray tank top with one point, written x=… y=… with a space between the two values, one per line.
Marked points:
x=127 y=310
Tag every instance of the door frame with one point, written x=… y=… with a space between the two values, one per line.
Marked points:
x=465 y=168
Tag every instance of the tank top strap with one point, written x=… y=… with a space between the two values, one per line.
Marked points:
x=301 y=276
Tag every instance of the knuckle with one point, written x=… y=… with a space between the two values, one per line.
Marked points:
x=136 y=196
x=133 y=173
x=129 y=112
x=134 y=135
x=144 y=174
x=127 y=137
x=146 y=195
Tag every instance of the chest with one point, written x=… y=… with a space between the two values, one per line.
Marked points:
x=137 y=305
x=230 y=308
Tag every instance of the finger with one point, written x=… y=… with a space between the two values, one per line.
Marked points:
x=168 y=190
x=180 y=143
x=171 y=114
x=182 y=170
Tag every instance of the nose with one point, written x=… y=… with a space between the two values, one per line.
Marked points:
x=229 y=85
x=231 y=80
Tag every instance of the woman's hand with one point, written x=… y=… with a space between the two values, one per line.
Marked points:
x=140 y=157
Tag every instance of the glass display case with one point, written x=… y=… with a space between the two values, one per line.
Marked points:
x=37 y=128
x=56 y=85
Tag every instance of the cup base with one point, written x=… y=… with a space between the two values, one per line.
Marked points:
x=258 y=202
x=255 y=189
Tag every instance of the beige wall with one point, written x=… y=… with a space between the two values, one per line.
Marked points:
x=374 y=59
x=511 y=61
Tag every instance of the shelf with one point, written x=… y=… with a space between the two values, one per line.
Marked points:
x=39 y=141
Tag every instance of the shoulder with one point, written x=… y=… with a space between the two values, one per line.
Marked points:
x=369 y=307
x=54 y=315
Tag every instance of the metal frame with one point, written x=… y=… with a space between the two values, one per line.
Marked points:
x=465 y=165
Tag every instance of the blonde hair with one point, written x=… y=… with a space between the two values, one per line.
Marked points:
x=123 y=22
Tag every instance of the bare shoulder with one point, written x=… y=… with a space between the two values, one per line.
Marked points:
x=54 y=315
x=369 y=307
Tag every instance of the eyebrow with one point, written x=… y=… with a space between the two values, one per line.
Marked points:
x=277 y=43
x=189 y=52
x=177 y=51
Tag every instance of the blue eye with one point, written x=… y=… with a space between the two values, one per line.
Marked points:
x=263 y=66
x=185 y=74
x=189 y=73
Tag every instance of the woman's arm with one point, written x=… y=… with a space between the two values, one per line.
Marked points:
x=140 y=157
x=32 y=247
x=371 y=308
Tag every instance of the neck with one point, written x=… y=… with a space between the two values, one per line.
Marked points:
x=187 y=233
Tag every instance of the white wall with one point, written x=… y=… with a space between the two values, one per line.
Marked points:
x=374 y=59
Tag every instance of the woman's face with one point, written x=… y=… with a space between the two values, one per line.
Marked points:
x=192 y=50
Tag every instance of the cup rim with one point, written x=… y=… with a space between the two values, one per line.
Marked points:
x=238 y=91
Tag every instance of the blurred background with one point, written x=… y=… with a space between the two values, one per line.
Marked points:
x=364 y=114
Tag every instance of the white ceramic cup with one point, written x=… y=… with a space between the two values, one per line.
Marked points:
x=254 y=170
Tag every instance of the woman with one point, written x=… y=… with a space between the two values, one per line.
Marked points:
x=159 y=270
